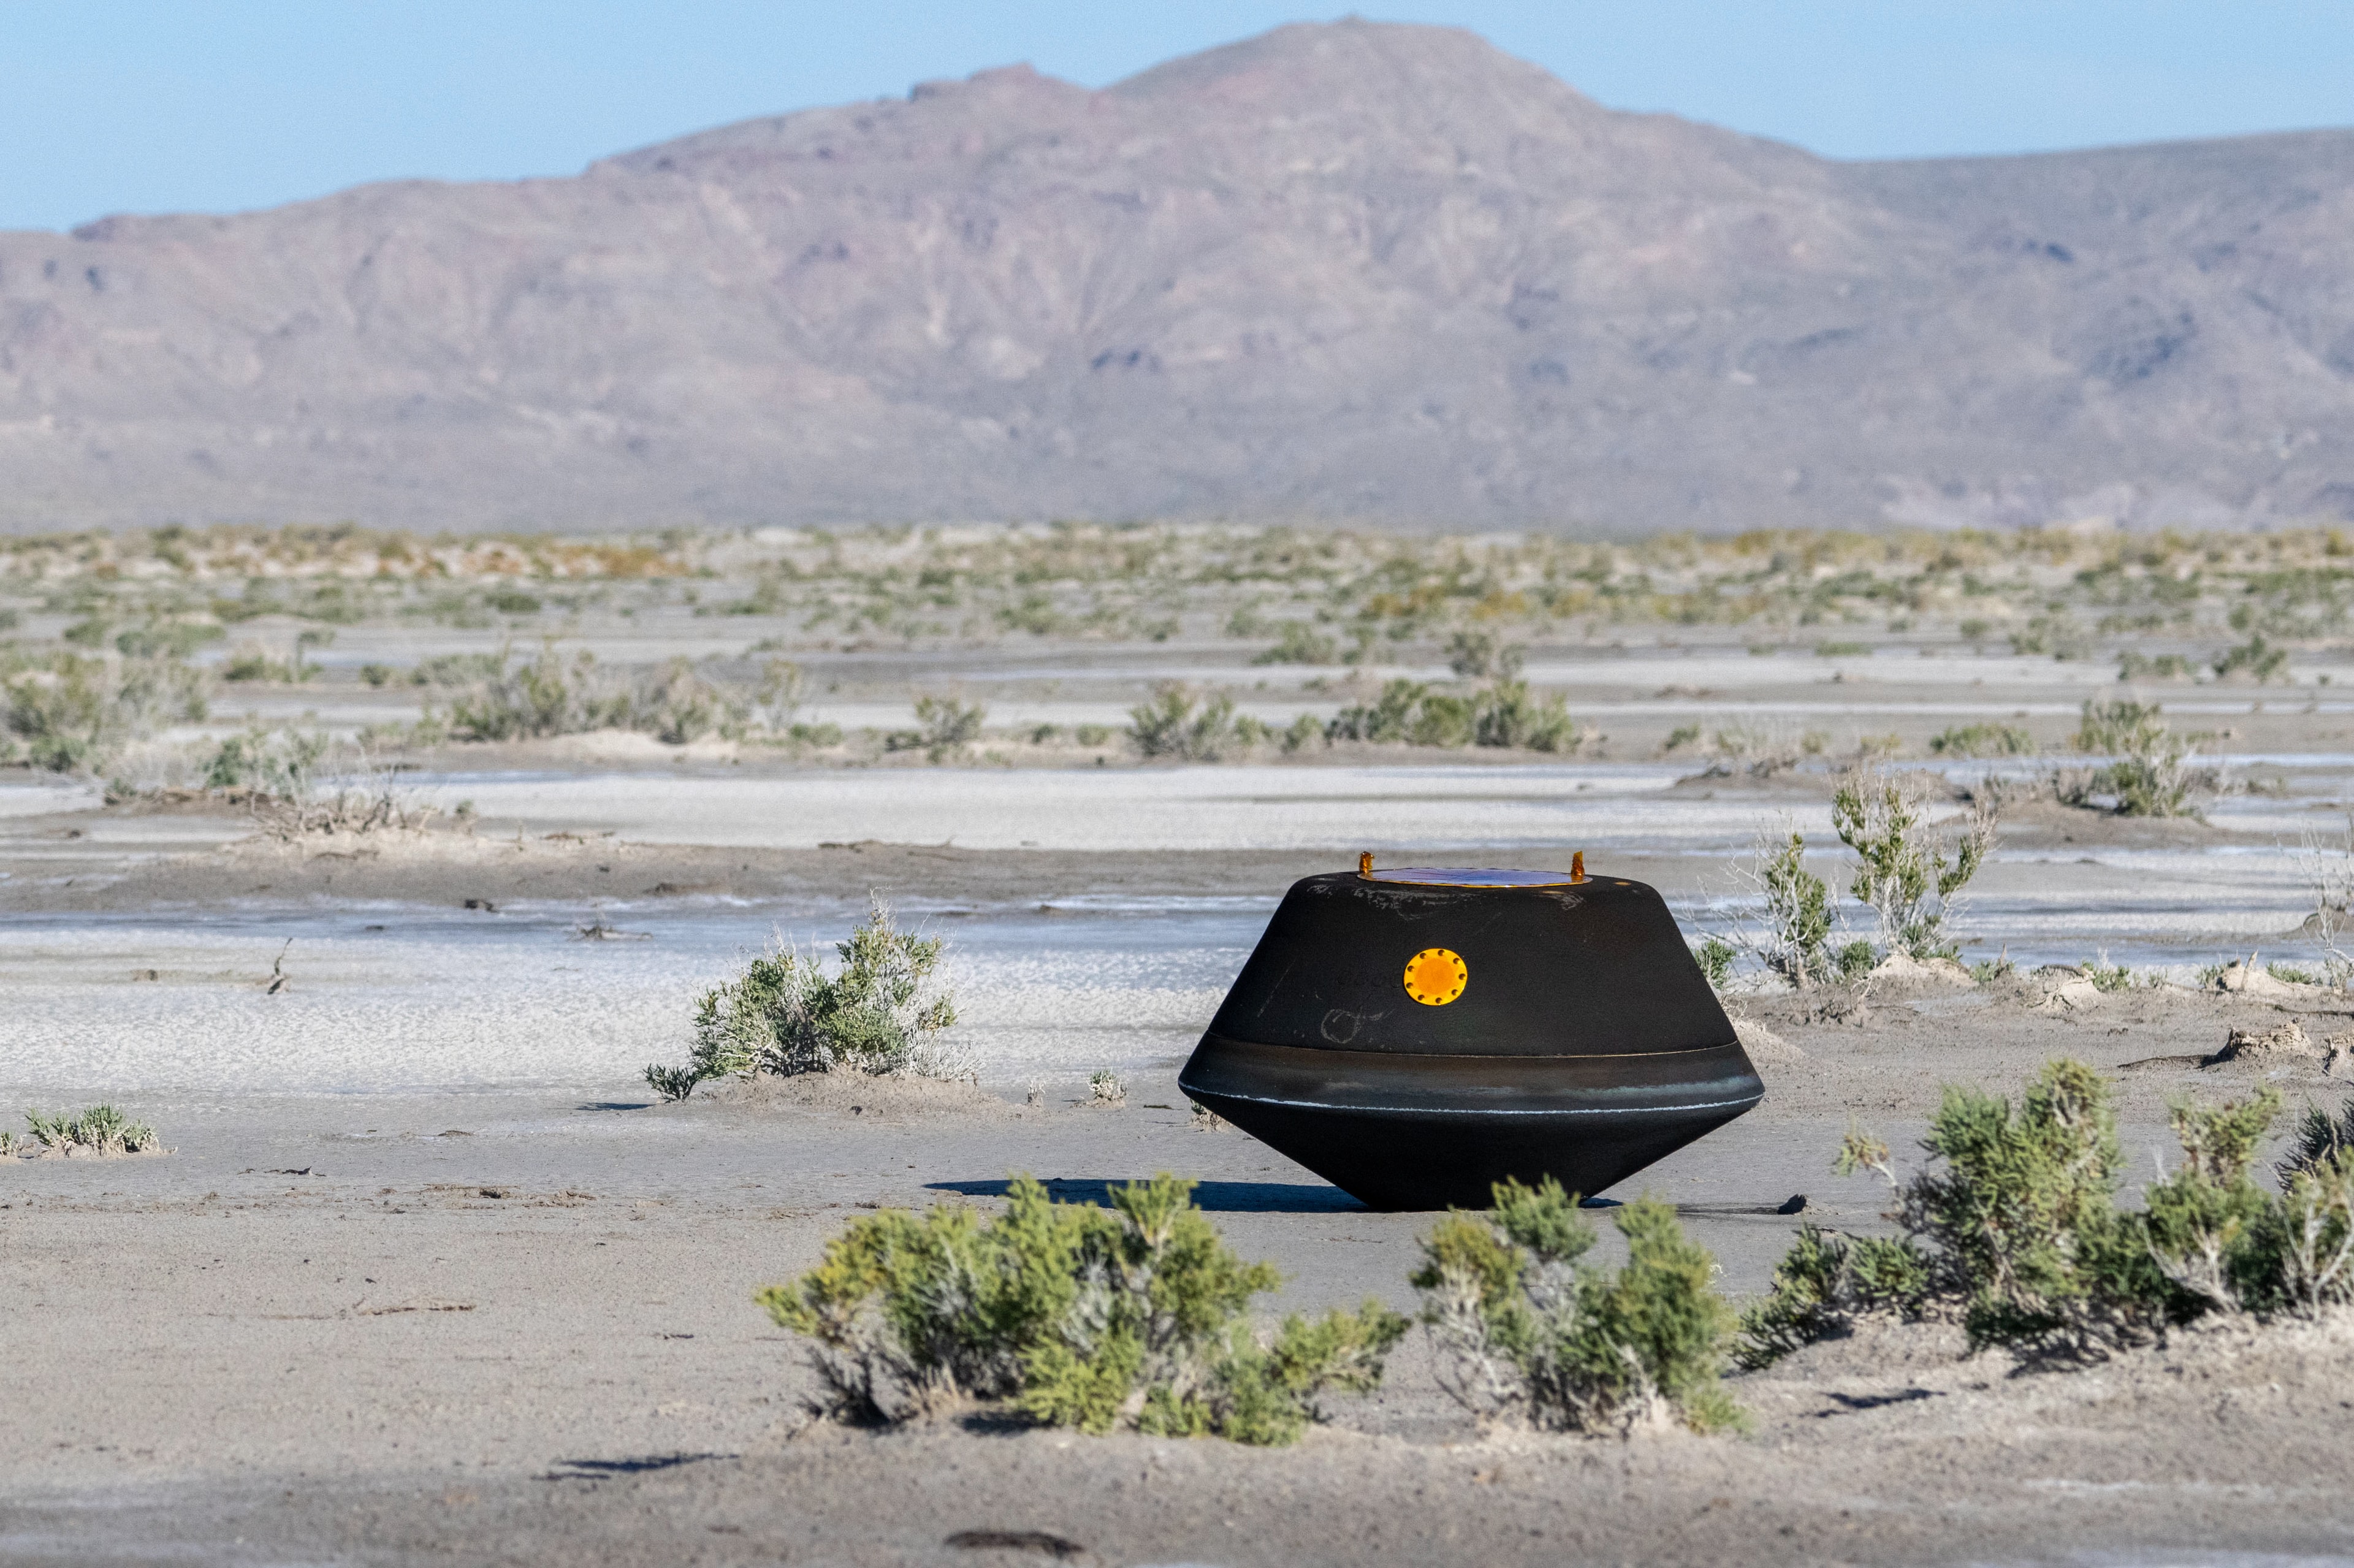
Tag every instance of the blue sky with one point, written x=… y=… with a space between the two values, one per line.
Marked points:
x=169 y=105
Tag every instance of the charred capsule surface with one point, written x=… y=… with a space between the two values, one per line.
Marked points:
x=1414 y=1036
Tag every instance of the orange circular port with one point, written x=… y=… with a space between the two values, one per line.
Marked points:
x=1435 y=976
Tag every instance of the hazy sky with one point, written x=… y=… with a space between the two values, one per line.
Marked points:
x=165 y=105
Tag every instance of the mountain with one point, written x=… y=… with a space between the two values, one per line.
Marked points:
x=1346 y=271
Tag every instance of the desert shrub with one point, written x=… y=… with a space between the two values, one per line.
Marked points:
x=73 y=712
x=2120 y=725
x=2016 y=1231
x=1981 y=740
x=1390 y=717
x=945 y=726
x=2327 y=867
x=1300 y=643
x=1901 y=875
x=63 y=715
x=460 y=668
x=99 y=1130
x=1481 y=655
x=254 y=662
x=2152 y=776
x=1792 y=937
x=2107 y=976
x=1683 y=735
x=1177 y=723
x=1072 y=1315
x=1526 y=1331
x=2304 y=1243
x=1303 y=731
x=1507 y=714
x=884 y=1010
x=370 y=802
x=283 y=774
x=160 y=638
x=1715 y=957
x=1762 y=750
x=2020 y=1217
x=2133 y=666
x=1106 y=1087
x=545 y=695
x=674 y=1083
x=676 y=703
x=1824 y=1285
x=810 y=736
x=2255 y=658
x=775 y=700
x=2202 y=1221
x=1443 y=719
x=2306 y=1239
x=2054 y=634
x=2318 y=1138
x=550 y=694
x=276 y=765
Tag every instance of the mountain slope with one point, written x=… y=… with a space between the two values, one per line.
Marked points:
x=1346 y=270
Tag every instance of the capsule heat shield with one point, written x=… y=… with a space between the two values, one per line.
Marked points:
x=1577 y=1038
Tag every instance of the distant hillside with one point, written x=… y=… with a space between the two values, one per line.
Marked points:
x=1348 y=271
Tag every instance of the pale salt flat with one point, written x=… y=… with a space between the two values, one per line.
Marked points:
x=1202 y=808
x=428 y=1001
x=434 y=1000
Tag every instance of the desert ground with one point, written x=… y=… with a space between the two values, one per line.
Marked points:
x=429 y=1273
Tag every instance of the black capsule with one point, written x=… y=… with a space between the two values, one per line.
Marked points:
x=1414 y=1036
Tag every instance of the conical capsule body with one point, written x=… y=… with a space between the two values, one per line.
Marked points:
x=1416 y=1037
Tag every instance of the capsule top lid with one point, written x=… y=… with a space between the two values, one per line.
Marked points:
x=1447 y=876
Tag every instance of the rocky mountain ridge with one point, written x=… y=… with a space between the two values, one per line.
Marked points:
x=1348 y=272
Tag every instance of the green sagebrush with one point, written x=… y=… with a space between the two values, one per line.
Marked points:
x=1182 y=724
x=1528 y=1332
x=1505 y=712
x=1823 y=1285
x=945 y=726
x=1794 y=936
x=70 y=712
x=1716 y=958
x=883 y=1011
x=2152 y=776
x=99 y=1130
x=2015 y=1229
x=1072 y=1315
x=1899 y=872
x=675 y=702
x=1982 y=740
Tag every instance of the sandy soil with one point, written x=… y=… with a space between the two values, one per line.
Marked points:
x=376 y=1330
x=515 y=1325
